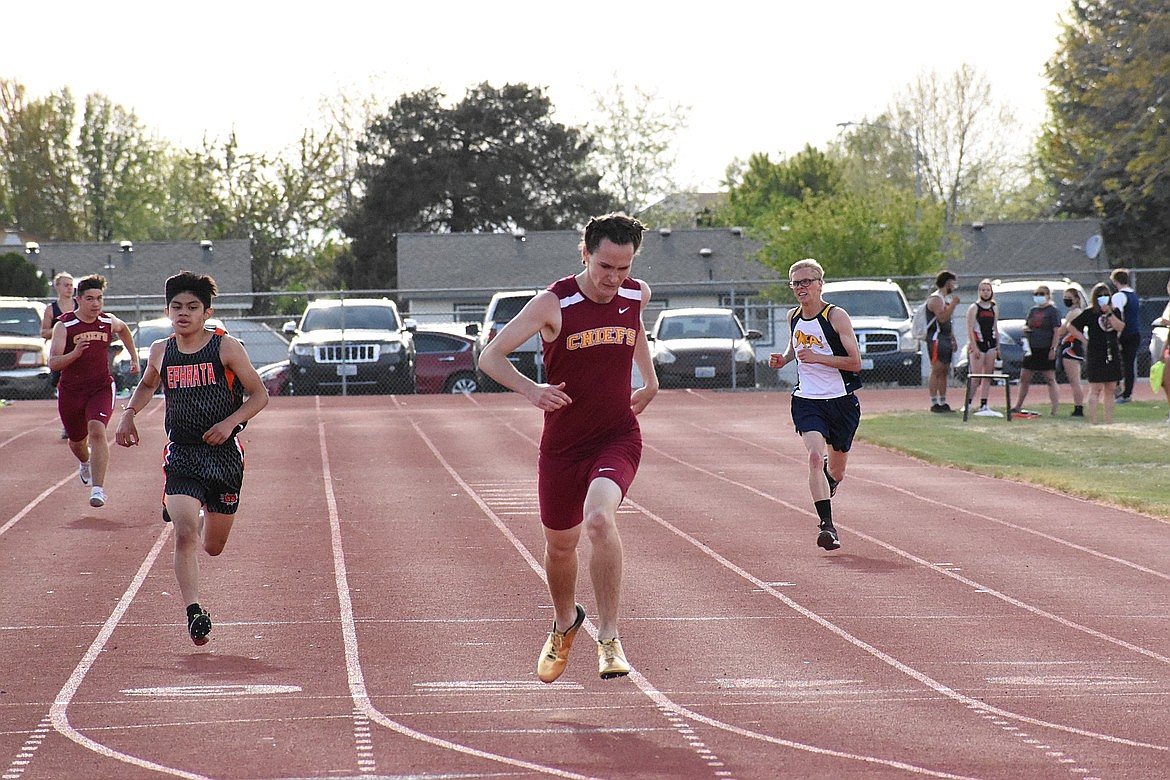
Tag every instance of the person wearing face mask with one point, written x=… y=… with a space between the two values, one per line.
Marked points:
x=983 y=343
x=1072 y=350
x=1102 y=351
x=1040 y=329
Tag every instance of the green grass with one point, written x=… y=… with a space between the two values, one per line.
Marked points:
x=1123 y=464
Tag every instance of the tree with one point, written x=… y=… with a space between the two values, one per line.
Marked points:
x=121 y=173
x=1105 y=149
x=946 y=140
x=495 y=161
x=20 y=277
x=635 y=145
x=803 y=207
x=40 y=193
x=286 y=206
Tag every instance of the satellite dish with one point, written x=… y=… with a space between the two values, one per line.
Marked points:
x=1093 y=246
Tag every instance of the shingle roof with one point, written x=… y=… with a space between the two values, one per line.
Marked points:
x=1049 y=248
x=144 y=271
x=455 y=261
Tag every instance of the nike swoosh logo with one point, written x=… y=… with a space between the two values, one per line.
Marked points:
x=623 y=311
x=606 y=468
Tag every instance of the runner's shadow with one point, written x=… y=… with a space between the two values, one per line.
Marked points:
x=91 y=523
x=863 y=564
x=217 y=664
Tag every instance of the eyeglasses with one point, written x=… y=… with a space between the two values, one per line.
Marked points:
x=797 y=284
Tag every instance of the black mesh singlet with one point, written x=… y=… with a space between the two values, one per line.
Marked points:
x=200 y=392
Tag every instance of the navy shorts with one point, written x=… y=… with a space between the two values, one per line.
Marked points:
x=212 y=474
x=564 y=481
x=834 y=418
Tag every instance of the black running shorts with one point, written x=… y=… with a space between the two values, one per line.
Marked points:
x=213 y=475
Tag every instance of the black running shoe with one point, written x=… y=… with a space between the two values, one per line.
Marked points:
x=833 y=483
x=827 y=538
x=198 y=624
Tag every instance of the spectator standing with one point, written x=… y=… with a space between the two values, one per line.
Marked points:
x=1040 y=330
x=1072 y=350
x=1126 y=304
x=940 y=338
x=983 y=343
x=1102 y=352
x=1164 y=321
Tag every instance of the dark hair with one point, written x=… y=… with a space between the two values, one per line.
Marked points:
x=618 y=228
x=942 y=278
x=201 y=286
x=1120 y=277
x=1099 y=289
x=91 y=282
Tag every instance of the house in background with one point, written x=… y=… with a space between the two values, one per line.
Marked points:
x=451 y=276
x=1030 y=250
x=136 y=272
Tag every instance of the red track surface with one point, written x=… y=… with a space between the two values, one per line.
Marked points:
x=379 y=609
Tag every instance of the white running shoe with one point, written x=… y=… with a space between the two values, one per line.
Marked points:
x=84 y=474
x=987 y=412
x=97 y=497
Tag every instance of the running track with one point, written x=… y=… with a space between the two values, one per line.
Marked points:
x=380 y=606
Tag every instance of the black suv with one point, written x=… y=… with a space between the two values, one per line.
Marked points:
x=350 y=345
x=527 y=357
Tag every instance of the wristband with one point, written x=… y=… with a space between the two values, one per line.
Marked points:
x=129 y=408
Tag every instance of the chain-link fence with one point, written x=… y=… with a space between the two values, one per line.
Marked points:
x=761 y=305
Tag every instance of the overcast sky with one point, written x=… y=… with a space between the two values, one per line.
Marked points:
x=758 y=76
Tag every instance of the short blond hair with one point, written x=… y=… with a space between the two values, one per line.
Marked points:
x=807 y=262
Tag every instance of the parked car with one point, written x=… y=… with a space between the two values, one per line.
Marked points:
x=527 y=357
x=1014 y=300
x=275 y=377
x=146 y=332
x=445 y=362
x=881 y=321
x=698 y=348
x=351 y=345
x=24 y=355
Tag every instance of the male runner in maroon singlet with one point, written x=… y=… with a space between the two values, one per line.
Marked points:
x=591 y=327
x=80 y=350
x=205 y=376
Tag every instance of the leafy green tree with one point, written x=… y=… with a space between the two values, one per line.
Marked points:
x=40 y=192
x=764 y=188
x=634 y=145
x=286 y=206
x=1105 y=148
x=122 y=173
x=495 y=161
x=20 y=277
x=803 y=207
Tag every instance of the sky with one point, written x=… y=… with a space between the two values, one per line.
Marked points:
x=761 y=76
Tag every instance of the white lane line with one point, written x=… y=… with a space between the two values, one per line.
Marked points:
x=353 y=666
x=664 y=703
x=889 y=660
x=943 y=570
x=59 y=712
x=971 y=512
x=922 y=678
